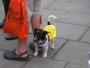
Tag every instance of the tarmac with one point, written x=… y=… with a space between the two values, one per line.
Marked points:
x=72 y=43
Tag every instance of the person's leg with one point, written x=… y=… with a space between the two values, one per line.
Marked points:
x=6 y=5
x=20 y=53
x=36 y=20
x=22 y=46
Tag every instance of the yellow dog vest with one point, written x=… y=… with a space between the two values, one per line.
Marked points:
x=51 y=31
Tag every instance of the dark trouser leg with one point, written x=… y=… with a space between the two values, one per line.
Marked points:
x=6 y=5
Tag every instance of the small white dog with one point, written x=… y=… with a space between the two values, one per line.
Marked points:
x=42 y=37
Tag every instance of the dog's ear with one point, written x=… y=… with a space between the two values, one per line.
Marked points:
x=45 y=32
x=36 y=29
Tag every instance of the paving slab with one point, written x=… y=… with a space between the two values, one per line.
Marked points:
x=7 y=45
x=46 y=12
x=46 y=3
x=38 y=62
x=68 y=31
x=11 y=44
x=70 y=11
x=9 y=64
x=30 y=38
x=73 y=65
x=59 y=4
x=86 y=37
x=75 y=52
x=71 y=14
x=71 y=5
x=70 y=17
x=58 y=44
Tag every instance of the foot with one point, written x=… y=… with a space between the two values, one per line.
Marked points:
x=44 y=55
x=32 y=47
x=36 y=53
x=1 y=25
x=10 y=38
x=52 y=46
x=12 y=55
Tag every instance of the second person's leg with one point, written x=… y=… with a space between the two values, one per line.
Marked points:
x=36 y=20
x=6 y=5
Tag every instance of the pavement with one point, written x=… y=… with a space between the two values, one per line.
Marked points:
x=72 y=43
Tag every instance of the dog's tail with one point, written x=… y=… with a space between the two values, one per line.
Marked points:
x=50 y=19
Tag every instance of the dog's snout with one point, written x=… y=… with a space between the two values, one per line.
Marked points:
x=34 y=38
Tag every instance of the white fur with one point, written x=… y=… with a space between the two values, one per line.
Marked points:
x=45 y=48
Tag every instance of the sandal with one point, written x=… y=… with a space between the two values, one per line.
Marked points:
x=11 y=55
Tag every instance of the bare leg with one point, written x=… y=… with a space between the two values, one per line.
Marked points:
x=35 y=22
x=22 y=47
x=36 y=16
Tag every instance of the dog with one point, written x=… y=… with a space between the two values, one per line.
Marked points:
x=43 y=37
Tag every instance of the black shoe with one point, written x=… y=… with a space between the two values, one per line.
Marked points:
x=11 y=55
x=11 y=38
x=32 y=47
x=1 y=25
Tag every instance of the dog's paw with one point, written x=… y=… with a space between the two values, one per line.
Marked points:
x=45 y=56
x=35 y=54
x=53 y=47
